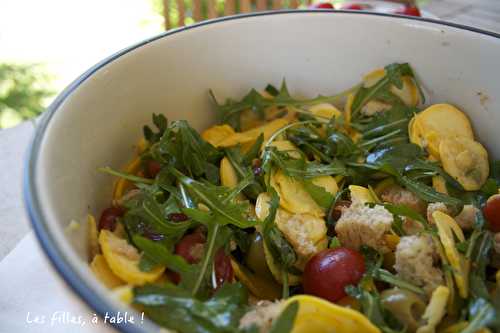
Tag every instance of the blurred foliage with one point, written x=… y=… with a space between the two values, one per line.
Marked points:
x=24 y=92
x=157 y=6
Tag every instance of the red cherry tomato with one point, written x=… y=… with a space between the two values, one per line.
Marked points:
x=153 y=168
x=492 y=212
x=409 y=10
x=354 y=7
x=109 y=216
x=328 y=273
x=223 y=268
x=322 y=5
x=190 y=247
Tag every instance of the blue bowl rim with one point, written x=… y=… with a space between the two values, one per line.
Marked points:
x=32 y=204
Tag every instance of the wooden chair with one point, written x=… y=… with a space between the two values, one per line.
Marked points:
x=178 y=13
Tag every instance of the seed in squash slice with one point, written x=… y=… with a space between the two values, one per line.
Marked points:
x=448 y=230
x=465 y=160
x=320 y=316
x=437 y=122
x=123 y=260
x=102 y=271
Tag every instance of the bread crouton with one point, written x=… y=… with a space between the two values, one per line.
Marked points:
x=415 y=259
x=361 y=225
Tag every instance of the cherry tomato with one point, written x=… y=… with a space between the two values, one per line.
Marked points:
x=109 y=218
x=223 y=268
x=322 y=5
x=190 y=247
x=153 y=168
x=328 y=273
x=409 y=10
x=492 y=212
x=354 y=7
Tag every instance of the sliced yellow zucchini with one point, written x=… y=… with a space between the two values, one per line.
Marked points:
x=251 y=135
x=325 y=111
x=320 y=316
x=123 y=260
x=437 y=122
x=93 y=237
x=448 y=229
x=293 y=197
x=122 y=185
x=215 y=134
x=435 y=311
x=360 y=194
x=286 y=146
x=465 y=160
x=101 y=270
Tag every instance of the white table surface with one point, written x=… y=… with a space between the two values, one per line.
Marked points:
x=15 y=229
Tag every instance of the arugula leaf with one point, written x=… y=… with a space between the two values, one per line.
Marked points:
x=405 y=211
x=227 y=212
x=299 y=168
x=158 y=254
x=161 y=124
x=281 y=250
x=127 y=176
x=322 y=197
x=381 y=90
x=230 y=110
x=172 y=308
x=181 y=147
x=284 y=323
x=373 y=310
x=244 y=170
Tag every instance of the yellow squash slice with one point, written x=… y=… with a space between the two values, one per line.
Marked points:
x=320 y=316
x=215 y=134
x=293 y=197
x=123 y=260
x=288 y=147
x=124 y=294
x=251 y=135
x=325 y=111
x=435 y=311
x=439 y=184
x=448 y=229
x=465 y=160
x=437 y=122
x=361 y=194
x=122 y=185
x=93 y=237
x=228 y=176
x=408 y=93
x=103 y=273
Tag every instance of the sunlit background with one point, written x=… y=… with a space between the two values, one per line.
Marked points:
x=44 y=45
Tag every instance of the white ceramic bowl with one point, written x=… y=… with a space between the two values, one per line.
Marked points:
x=97 y=119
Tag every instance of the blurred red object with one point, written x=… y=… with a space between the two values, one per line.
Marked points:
x=322 y=5
x=410 y=11
x=355 y=7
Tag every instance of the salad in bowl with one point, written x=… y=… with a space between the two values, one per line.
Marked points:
x=365 y=211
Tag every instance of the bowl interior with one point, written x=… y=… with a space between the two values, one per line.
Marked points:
x=99 y=119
